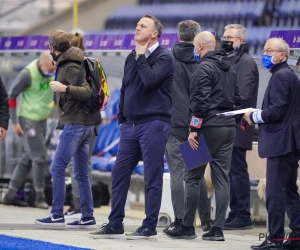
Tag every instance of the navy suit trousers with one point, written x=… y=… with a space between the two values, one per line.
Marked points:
x=147 y=141
x=282 y=193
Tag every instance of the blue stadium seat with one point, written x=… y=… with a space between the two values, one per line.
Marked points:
x=106 y=146
x=106 y=135
x=113 y=103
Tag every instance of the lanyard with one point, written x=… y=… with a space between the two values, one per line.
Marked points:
x=56 y=73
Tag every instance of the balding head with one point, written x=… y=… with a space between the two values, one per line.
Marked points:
x=278 y=48
x=203 y=42
x=45 y=63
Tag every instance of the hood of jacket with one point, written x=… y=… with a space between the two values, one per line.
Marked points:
x=217 y=57
x=183 y=52
x=72 y=54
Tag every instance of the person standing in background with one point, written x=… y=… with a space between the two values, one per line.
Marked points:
x=74 y=140
x=184 y=63
x=29 y=119
x=4 y=110
x=234 y=43
x=74 y=209
x=214 y=90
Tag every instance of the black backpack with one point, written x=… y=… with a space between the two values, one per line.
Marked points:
x=96 y=77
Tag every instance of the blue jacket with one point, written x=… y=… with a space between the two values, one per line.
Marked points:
x=280 y=134
x=146 y=88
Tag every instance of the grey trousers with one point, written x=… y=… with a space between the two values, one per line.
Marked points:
x=34 y=155
x=176 y=167
x=75 y=190
x=220 y=142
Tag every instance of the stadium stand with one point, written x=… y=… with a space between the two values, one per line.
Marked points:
x=258 y=16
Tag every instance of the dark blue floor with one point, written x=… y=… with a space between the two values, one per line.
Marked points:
x=16 y=243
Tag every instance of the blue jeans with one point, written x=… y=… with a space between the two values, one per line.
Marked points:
x=74 y=142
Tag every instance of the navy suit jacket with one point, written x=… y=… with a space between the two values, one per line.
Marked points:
x=280 y=134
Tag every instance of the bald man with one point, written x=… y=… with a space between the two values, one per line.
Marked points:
x=279 y=142
x=213 y=90
x=29 y=123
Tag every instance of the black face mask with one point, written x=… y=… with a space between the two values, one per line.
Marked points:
x=227 y=46
x=55 y=57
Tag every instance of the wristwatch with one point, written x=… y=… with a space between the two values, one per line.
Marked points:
x=138 y=56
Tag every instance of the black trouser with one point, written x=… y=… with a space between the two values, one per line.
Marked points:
x=239 y=185
x=282 y=193
x=176 y=166
x=220 y=141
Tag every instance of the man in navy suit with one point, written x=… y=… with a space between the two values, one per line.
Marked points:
x=144 y=118
x=279 y=142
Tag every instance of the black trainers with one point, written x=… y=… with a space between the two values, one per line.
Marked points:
x=174 y=224
x=215 y=234
x=206 y=226
x=141 y=233
x=107 y=232
x=238 y=224
x=181 y=232
x=14 y=202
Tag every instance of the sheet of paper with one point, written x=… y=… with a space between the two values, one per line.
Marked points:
x=237 y=112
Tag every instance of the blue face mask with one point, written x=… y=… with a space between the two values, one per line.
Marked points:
x=267 y=61
x=196 y=56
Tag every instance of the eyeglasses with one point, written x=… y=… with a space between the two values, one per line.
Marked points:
x=228 y=38
x=269 y=51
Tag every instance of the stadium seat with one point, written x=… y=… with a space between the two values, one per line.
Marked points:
x=113 y=103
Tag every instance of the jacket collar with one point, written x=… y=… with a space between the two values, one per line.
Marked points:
x=243 y=48
x=279 y=66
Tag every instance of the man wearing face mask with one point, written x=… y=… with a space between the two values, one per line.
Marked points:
x=184 y=63
x=213 y=90
x=76 y=135
x=279 y=142
x=234 y=43
x=29 y=119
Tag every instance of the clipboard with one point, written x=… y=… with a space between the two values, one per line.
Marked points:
x=195 y=158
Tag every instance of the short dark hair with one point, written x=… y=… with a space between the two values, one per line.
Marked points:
x=157 y=24
x=60 y=40
x=187 y=30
